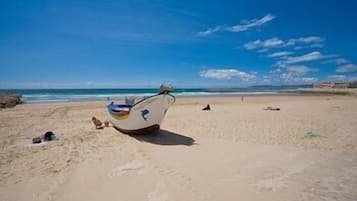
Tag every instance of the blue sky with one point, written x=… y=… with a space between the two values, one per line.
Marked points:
x=80 y=44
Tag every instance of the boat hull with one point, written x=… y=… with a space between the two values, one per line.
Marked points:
x=143 y=117
x=146 y=130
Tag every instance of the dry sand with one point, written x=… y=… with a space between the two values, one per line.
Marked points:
x=237 y=151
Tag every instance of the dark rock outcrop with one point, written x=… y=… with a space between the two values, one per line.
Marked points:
x=9 y=100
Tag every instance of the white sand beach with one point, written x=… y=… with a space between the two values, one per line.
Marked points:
x=236 y=151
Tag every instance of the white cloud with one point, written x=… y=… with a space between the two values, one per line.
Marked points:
x=348 y=68
x=287 y=76
x=315 y=41
x=304 y=58
x=262 y=50
x=247 y=24
x=209 y=31
x=300 y=70
x=290 y=78
x=307 y=80
x=338 y=61
x=306 y=40
x=277 y=70
x=244 y=26
x=317 y=45
x=292 y=64
x=280 y=54
x=292 y=74
x=336 y=78
x=270 y=43
x=353 y=79
x=226 y=74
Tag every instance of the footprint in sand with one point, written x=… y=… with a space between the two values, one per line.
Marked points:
x=133 y=166
x=276 y=183
x=272 y=184
x=158 y=194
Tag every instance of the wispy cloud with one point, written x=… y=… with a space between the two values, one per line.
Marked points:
x=290 y=75
x=226 y=74
x=337 y=78
x=303 y=58
x=317 y=45
x=290 y=78
x=306 y=40
x=344 y=65
x=280 y=54
x=300 y=70
x=275 y=42
x=353 y=79
x=263 y=50
x=266 y=44
x=338 y=61
x=348 y=68
x=341 y=78
x=210 y=31
x=243 y=26
x=247 y=24
x=306 y=80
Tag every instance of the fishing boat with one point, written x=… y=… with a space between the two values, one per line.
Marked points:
x=144 y=116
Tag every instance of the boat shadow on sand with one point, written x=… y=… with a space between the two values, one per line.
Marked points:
x=164 y=137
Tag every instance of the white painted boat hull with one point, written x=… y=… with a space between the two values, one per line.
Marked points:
x=144 y=116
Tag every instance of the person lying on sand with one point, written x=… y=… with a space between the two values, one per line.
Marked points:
x=272 y=108
x=48 y=136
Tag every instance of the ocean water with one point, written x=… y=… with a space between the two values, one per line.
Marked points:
x=72 y=95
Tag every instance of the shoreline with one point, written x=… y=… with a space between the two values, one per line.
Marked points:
x=177 y=96
x=298 y=92
x=77 y=96
x=73 y=95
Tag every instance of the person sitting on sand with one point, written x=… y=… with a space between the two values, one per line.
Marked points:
x=208 y=107
x=98 y=124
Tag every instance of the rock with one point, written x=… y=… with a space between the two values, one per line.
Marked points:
x=9 y=100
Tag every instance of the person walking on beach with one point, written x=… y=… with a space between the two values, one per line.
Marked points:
x=242 y=99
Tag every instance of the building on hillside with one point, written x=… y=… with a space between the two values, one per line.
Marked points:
x=336 y=85
x=352 y=85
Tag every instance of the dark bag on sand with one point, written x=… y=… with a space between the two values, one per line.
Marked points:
x=48 y=136
x=36 y=140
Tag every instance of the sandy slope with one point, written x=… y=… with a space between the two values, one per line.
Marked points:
x=237 y=151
